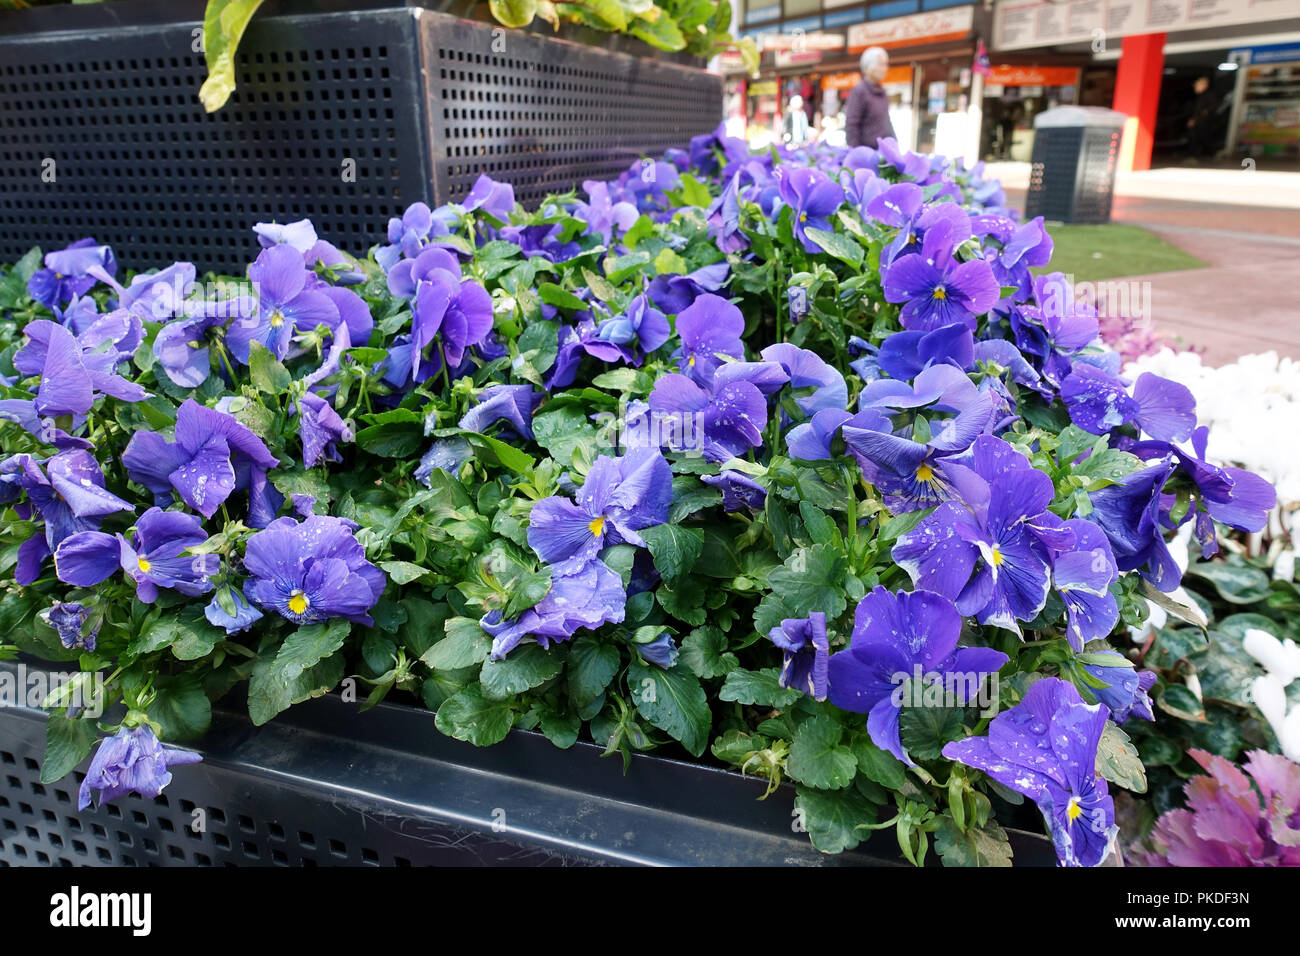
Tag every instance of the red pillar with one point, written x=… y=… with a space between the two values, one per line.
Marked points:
x=1137 y=93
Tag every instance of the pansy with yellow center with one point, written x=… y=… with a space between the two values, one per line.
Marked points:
x=1046 y=748
x=159 y=555
x=289 y=299
x=312 y=571
x=620 y=497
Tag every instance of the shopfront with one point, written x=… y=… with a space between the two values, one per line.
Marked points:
x=1265 y=122
x=1013 y=95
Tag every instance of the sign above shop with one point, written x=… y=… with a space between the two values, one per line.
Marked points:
x=1019 y=24
x=1006 y=75
x=846 y=81
x=798 y=41
x=789 y=58
x=1275 y=53
x=934 y=27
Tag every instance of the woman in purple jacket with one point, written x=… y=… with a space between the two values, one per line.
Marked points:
x=866 y=117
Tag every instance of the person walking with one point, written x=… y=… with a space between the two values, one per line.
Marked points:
x=795 y=122
x=866 y=118
x=1201 y=123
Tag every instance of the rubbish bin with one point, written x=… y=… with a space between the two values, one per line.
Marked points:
x=1072 y=172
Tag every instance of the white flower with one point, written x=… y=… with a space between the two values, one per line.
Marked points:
x=1280 y=658
x=1269 y=694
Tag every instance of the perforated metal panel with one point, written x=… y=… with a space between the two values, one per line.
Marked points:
x=1072 y=174
x=114 y=121
x=343 y=118
x=549 y=114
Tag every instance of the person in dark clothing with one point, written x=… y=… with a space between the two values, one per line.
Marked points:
x=1201 y=124
x=866 y=118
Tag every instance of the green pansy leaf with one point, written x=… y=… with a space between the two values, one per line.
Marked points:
x=841 y=247
x=832 y=817
x=984 y=846
x=673 y=701
x=817 y=758
x=758 y=689
x=526 y=667
x=471 y=716
x=674 y=548
x=67 y=743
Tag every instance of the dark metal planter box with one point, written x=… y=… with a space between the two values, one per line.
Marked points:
x=102 y=133
x=326 y=785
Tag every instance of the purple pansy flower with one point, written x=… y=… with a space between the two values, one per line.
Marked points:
x=936 y=290
x=1046 y=748
x=602 y=215
x=1233 y=496
x=155 y=558
x=634 y=333
x=811 y=440
x=69 y=621
x=675 y=293
x=913 y=474
x=132 y=761
x=181 y=346
x=244 y=617
x=586 y=596
x=1083 y=578
x=647 y=182
x=1129 y=512
x=287 y=303
x=1125 y=694
x=497 y=199
x=904 y=355
x=894 y=636
x=301 y=235
x=212 y=456
x=662 y=651
x=813 y=197
x=67 y=273
x=992 y=551
x=459 y=310
x=739 y=491
x=1097 y=403
x=807 y=653
x=724 y=219
x=722 y=422
x=620 y=497
x=321 y=428
x=407 y=235
x=709 y=327
x=71 y=499
x=513 y=404
x=312 y=571
x=72 y=372
x=446 y=454
x=912 y=165
x=807 y=369
x=1024 y=246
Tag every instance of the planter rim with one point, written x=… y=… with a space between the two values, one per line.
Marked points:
x=667 y=796
x=71 y=18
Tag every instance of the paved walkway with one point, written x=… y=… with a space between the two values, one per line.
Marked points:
x=1245 y=225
